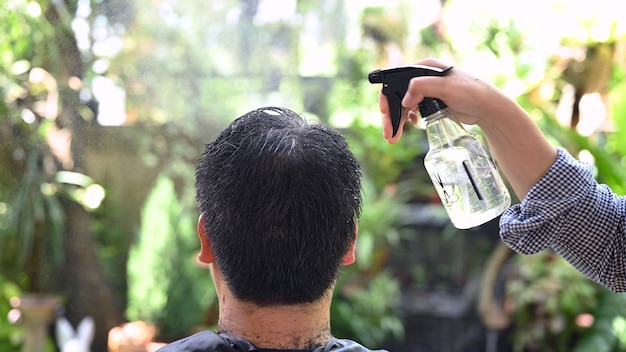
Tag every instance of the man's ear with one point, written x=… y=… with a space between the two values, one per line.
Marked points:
x=206 y=255
x=350 y=257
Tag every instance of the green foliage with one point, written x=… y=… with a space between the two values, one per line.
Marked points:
x=385 y=164
x=33 y=212
x=32 y=202
x=618 y=143
x=10 y=335
x=31 y=184
x=166 y=284
x=377 y=232
x=207 y=73
x=28 y=201
x=608 y=332
x=32 y=230
x=549 y=295
x=368 y=311
x=24 y=38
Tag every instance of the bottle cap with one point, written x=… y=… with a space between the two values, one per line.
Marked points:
x=429 y=106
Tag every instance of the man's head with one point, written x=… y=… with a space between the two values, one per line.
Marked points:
x=280 y=200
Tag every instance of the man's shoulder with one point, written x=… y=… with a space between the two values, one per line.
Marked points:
x=207 y=341
x=345 y=345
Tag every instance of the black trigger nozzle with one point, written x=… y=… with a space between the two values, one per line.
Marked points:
x=375 y=77
x=395 y=84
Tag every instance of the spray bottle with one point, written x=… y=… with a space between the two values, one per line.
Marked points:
x=459 y=165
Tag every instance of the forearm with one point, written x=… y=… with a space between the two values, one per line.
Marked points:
x=523 y=153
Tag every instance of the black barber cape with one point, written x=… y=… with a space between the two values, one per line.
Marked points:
x=209 y=341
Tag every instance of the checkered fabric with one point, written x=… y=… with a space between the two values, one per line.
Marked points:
x=579 y=218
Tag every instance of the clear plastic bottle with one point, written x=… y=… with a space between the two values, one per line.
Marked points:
x=461 y=169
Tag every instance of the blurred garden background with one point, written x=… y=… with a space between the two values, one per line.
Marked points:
x=106 y=106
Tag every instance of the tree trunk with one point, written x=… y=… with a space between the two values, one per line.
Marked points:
x=88 y=292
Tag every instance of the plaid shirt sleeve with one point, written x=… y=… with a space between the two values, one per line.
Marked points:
x=579 y=218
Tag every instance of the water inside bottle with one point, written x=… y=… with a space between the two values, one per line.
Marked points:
x=467 y=182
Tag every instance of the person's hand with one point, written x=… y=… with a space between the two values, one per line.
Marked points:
x=470 y=98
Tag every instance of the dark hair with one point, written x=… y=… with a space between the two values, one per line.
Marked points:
x=281 y=198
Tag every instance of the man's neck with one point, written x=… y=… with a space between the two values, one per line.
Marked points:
x=279 y=327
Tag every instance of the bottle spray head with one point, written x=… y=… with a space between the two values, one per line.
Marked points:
x=395 y=84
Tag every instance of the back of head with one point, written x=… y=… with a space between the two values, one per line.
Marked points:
x=281 y=198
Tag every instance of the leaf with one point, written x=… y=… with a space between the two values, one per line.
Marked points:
x=56 y=219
